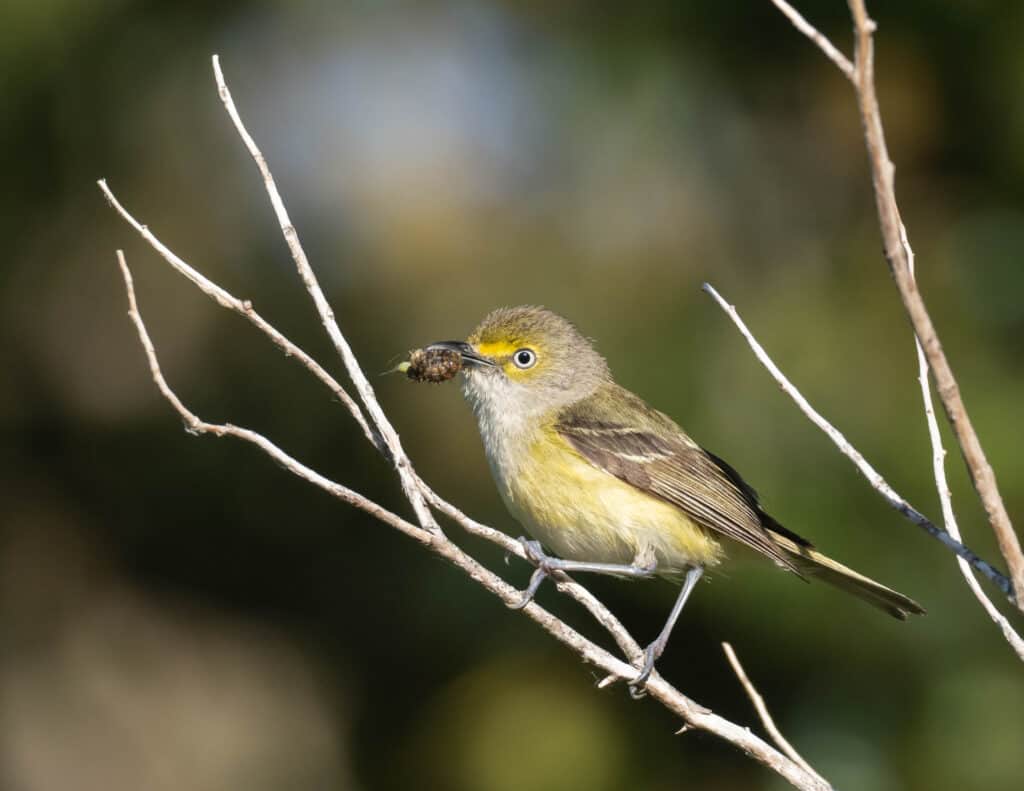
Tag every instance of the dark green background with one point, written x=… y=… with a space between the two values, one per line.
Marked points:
x=180 y=613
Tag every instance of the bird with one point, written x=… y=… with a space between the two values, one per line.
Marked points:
x=601 y=482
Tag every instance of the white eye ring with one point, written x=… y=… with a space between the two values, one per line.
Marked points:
x=524 y=358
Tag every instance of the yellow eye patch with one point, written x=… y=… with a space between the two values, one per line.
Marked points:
x=498 y=350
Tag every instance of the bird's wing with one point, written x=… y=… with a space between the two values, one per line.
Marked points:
x=653 y=454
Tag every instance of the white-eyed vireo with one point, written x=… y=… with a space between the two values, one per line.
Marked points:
x=607 y=483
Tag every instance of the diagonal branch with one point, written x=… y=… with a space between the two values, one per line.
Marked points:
x=194 y=425
x=873 y=476
x=693 y=714
x=309 y=279
x=945 y=498
x=896 y=253
x=831 y=52
x=244 y=308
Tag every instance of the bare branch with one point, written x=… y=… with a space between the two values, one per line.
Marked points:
x=826 y=46
x=309 y=279
x=693 y=714
x=762 y=711
x=873 y=476
x=939 y=470
x=244 y=308
x=896 y=248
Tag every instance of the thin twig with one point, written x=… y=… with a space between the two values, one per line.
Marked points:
x=873 y=476
x=942 y=487
x=692 y=713
x=309 y=279
x=195 y=425
x=896 y=247
x=244 y=308
x=826 y=46
x=762 y=711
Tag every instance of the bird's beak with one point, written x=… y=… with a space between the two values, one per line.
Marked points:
x=469 y=355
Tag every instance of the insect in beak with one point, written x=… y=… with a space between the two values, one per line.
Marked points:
x=470 y=358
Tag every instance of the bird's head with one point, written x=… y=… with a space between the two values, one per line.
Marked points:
x=527 y=360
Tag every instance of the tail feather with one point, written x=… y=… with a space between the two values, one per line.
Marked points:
x=812 y=563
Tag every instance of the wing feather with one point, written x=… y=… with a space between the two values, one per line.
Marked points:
x=657 y=457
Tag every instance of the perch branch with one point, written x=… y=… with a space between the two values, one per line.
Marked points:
x=873 y=476
x=563 y=582
x=762 y=711
x=693 y=714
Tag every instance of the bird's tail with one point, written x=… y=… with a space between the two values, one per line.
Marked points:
x=812 y=563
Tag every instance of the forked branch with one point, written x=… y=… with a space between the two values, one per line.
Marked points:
x=899 y=255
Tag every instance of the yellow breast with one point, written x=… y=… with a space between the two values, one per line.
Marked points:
x=581 y=512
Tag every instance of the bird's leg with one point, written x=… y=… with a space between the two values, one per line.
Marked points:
x=655 y=649
x=546 y=565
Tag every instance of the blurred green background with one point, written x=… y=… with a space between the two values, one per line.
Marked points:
x=180 y=613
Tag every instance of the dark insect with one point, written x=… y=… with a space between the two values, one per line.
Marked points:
x=432 y=365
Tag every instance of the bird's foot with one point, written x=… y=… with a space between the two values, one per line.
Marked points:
x=535 y=555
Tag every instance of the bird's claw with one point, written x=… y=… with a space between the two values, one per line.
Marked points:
x=638 y=686
x=531 y=590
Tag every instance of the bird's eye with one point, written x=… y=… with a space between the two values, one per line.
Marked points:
x=524 y=358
